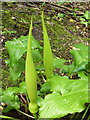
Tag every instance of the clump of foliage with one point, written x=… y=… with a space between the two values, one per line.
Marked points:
x=58 y=95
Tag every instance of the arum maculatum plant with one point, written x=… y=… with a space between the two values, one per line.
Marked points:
x=31 y=76
x=62 y=92
x=58 y=95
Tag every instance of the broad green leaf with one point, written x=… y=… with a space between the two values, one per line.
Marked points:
x=68 y=96
x=48 y=57
x=39 y=100
x=80 y=67
x=82 y=19
x=17 y=68
x=10 y=91
x=9 y=96
x=22 y=87
x=80 y=54
x=34 y=44
x=15 y=49
x=37 y=57
x=82 y=75
x=80 y=61
x=12 y=104
x=58 y=63
x=18 y=47
x=45 y=87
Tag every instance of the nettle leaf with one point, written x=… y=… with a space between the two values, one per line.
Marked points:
x=68 y=96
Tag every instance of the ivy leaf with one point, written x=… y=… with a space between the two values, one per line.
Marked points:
x=68 y=96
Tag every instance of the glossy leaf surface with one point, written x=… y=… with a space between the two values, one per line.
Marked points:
x=10 y=98
x=16 y=48
x=68 y=96
x=80 y=54
x=19 y=47
x=17 y=68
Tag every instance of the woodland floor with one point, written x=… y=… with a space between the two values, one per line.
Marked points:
x=64 y=31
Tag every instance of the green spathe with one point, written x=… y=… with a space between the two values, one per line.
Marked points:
x=31 y=76
x=48 y=57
